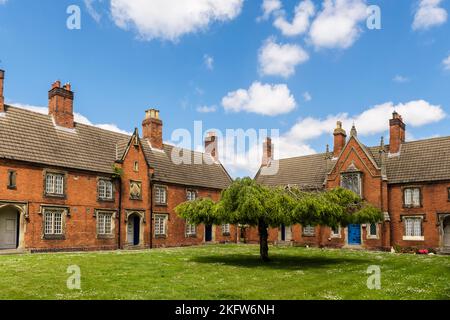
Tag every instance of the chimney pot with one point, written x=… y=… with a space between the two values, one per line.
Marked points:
x=267 y=152
x=397 y=132
x=152 y=128
x=340 y=138
x=60 y=105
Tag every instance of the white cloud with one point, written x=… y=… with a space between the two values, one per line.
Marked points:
x=265 y=99
x=269 y=7
x=337 y=25
x=171 y=19
x=446 y=63
x=307 y=96
x=429 y=14
x=280 y=60
x=91 y=9
x=207 y=109
x=208 y=61
x=79 y=118
x=400 y=79
x=300 y=24
x=3 y=1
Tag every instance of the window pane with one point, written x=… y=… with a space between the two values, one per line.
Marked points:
x=59 y=184
x=48 y=222
x=49 y=183
x=373 y=229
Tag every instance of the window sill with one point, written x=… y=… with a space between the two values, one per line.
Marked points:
x=226 y=234
x=160 y=236
x=12 y=188
x=54 y=237
x=373 y=238
x=308 y=235
x=191 y=236
x=161 y=204
x=105 y=236
x=105 y=200
x=136 y=199
x=407 y=238
x=57 y=196
x=412 y=207
x=335 y=236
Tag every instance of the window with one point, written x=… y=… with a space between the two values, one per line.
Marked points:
x=104 y=223
x=136 y=166
x=105 y=189
x=413 y=228
x=372 y=231
x=309 y=231
x=226 y=229
x=160 y=225
x=12 y=179
x=448 y=194
x=412 y=197
x=352 y=182
x=191 y=229
x=54 y=184
x=160 y=195
x=191 y=195
x=336 y=232
x=53 y=222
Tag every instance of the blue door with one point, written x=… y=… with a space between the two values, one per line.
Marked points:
x=354 y=234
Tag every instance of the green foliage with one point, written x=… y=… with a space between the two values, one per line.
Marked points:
x=199 y=211
x=117 y=172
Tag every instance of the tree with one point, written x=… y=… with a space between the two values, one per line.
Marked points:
x=246 y=202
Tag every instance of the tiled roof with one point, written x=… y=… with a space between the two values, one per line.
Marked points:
x=33 y=137
x=419 y=161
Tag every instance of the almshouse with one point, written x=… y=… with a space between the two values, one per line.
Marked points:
x=408 y=181
x=70 y=186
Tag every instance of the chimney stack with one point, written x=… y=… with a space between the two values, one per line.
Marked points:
x=267 y=152
x=152 y=128
x=2 y=99
x=397 y=132
x=60 y=104
x=340 y=138
x=212 y=145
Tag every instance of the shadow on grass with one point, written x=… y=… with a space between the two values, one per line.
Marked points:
x=278 y=261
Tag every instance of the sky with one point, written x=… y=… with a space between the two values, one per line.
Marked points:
x=294 y=66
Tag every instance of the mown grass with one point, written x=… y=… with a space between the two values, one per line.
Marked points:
x=225 y=272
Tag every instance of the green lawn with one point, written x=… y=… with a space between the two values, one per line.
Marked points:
x=225 y=272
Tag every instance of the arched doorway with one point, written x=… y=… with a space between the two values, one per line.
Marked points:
x=134 y=230
x=10 y=228
x=446 y=228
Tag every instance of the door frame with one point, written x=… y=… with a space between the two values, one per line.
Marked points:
x=360 y=236
x=441 y=218
x=141 y=216
x=22 y=210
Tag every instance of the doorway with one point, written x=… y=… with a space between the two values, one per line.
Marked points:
x=9 y=228
x=354 y=234
x=285 y=233
x=446 y=226
x=134 y=230
x=208 y=233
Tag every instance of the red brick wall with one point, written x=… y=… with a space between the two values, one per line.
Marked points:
x=434 y=201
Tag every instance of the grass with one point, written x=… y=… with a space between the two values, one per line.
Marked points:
x=225 y=272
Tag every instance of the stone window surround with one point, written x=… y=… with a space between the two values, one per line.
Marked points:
x=420 y=196
x=226 y=229
x=310 y=235
x=154 y=194
x=190 y=235
x=113 y=223
x=413 y=238
x=191 y=190
x=166 y=218
x=100 y=199
x=10 y=185
x=336 y=235
x=448 y=194
x=371 y=236
x=65 y=179
x=65 y=213
x=360 y=180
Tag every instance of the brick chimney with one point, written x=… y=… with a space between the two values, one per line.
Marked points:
x=211 y=145
x=340 y=138
x=2 y=99
x=60 y=104
x=152 y=128
x=397 y=132
x=267 y=152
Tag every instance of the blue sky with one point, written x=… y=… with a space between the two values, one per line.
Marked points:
x=296 y=66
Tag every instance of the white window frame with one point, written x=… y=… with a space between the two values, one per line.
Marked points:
x=360 y=184
x=102 y=223
x=369 y=229
x=54 y=222
x=191 y=195
x=336 y=235
x=105 y=189
x=160 y=195
x=191 y=229
x=412 y=197
x=413 y=232
x=308 y=232
x=226 y=229
x=160 y=228
x=54 y=184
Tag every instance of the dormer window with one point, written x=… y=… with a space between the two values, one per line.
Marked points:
x=352 y=181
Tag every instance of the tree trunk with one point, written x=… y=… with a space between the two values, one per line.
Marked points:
x=263 y=241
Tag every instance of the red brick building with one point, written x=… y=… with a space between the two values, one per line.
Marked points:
x=408 y=181
x=70 y=186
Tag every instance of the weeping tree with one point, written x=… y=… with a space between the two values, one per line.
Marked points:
x=246 y=202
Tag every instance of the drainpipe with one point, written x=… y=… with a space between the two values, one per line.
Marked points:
x=120 y=214
x=151 y=209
